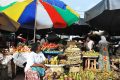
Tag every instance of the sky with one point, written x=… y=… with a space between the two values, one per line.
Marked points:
x=81 y=6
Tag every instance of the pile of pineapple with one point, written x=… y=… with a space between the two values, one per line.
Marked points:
x=73 y=54
x=90 y=53
x=72 y=48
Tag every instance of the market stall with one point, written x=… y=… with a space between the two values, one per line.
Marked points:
x=68 y=63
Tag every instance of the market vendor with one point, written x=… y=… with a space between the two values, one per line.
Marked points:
x=35 y=64
x=89 y=44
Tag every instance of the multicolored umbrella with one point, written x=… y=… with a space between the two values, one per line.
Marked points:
x=44 y=14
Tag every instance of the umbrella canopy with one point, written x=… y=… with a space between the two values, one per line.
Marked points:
x=7 y=24
x=105 y=16
x=44 y=13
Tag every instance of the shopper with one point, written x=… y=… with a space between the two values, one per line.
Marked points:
x=104 y=63
x=89 y=44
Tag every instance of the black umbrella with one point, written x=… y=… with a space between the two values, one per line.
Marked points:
x=52 y=37
x=105 y=16
x=79 y=28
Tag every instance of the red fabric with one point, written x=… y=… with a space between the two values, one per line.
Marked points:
x=58 y=21
x=105 y=49
x=23 y=39
x=105 y=58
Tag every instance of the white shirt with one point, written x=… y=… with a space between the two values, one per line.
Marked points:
x=90 y=44
x=34 y=58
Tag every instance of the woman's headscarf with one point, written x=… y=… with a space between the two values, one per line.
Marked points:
x=103 y=40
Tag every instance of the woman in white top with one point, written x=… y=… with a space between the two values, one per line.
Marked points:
x=35 y=63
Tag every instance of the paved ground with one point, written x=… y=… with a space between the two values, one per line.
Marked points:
x=19 y=77
x=20 y=74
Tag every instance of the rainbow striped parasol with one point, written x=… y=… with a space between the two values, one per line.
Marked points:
x=39 y=13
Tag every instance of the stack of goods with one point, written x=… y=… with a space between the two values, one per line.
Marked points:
x=73 y=55
x=74 y=69
x=51 y=48
x=90 y=54
x=62 y=59
x=72 y=48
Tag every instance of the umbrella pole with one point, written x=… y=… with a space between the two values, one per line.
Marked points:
x=34 y=32
x=35 y=24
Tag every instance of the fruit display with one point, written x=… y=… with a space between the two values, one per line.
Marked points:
x=62 y=61
x=74 y=60
x=74 y=69
x=49 y=46
x=80 y=75
x=105 y=75
x=72 y=48
x=54 y=75
x=52 y=60
x=55 y=61
x=85 y=75
x=90 y=54
x=22 y=49
x=117 y=60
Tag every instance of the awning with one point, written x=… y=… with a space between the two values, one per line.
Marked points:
x=105 y=16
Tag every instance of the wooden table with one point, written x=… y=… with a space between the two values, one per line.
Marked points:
x=90 y=62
